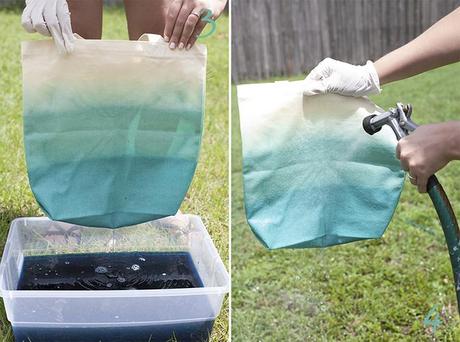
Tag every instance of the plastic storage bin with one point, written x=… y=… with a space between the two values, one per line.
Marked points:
x=112 y=315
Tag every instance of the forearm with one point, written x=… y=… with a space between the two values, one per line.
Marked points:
x=437 y=46
x=453 y=140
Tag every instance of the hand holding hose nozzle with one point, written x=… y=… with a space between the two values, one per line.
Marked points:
x=399 y=119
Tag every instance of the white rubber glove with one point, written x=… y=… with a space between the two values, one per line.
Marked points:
x=50 y=18
x=331 y=76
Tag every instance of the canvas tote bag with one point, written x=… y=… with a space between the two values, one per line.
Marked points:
x=112 y=131
x=312 y=176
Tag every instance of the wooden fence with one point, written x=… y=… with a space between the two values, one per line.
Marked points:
x=286 y=37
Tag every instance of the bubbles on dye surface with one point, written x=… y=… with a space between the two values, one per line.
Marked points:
x=111 y=273
x=101 y=269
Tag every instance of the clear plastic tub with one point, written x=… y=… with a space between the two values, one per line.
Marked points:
x=112 y=315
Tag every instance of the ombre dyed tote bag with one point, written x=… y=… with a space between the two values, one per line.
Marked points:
x=312 y=176
x=112 y=131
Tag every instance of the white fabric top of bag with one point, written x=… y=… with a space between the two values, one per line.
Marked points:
x=149 y=44
x=143 y=67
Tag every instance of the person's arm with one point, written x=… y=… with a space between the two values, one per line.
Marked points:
x=437 y=46
x=430 y=147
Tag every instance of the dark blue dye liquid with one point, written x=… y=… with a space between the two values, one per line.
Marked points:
x=112 y=271
x=195 y=331
x=109 y=271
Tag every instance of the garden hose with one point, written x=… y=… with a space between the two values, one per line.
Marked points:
x=399 y=119
x=449 y=226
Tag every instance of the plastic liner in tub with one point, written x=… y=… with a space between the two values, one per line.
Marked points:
x=158 y=281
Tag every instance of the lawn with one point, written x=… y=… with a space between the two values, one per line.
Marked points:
x=208 y=194
x=377 y=290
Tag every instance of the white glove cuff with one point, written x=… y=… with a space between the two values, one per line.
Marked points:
x=374 y=87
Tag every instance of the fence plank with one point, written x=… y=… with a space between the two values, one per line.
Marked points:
x=286 y=37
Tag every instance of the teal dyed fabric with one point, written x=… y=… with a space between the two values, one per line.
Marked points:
x=312 y=176
x=112 y=132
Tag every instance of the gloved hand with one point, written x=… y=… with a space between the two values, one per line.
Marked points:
x=331 y=76
x=50 y=18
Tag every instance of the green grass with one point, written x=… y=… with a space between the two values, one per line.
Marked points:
x=365 y=291
x=208 y=194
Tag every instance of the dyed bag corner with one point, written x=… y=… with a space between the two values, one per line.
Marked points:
x=112 y=132
x=312 y=176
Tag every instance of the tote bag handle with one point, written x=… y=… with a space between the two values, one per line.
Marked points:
x=146 y=37
x=152 y=38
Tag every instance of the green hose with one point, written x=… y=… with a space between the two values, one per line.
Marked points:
x=449 y=226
